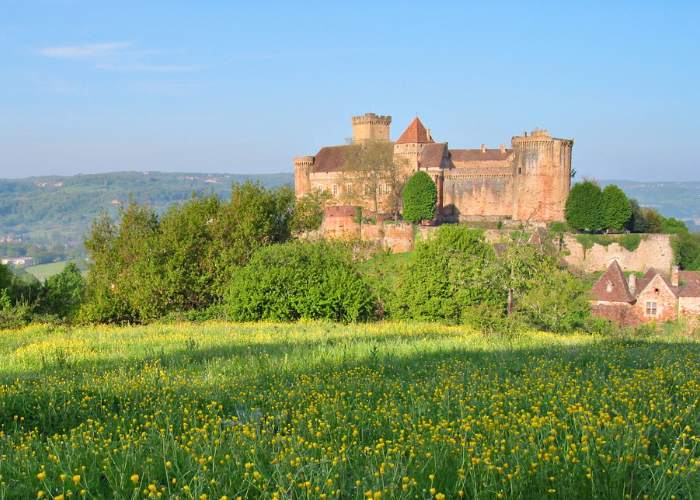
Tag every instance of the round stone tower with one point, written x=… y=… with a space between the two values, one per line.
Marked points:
x=542 y=176
x=371 y=127
x=302 y=175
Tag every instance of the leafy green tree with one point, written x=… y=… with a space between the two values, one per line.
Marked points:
x=419 y=198
x=616 y=208
x=671 y=225
x=62 y=294
x=299 y=280
x=583 y=209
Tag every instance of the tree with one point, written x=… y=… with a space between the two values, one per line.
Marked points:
x=637 y=223
x=62 y=294
x=373 y=172
x=419 y=198
x=616 y=208
x=583 y=209
x=653 y=220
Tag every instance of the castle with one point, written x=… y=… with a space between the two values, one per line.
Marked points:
x=529 y=181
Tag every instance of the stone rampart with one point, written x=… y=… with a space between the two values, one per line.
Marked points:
x=654 y=250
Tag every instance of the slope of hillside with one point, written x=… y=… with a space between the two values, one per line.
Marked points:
x=58 y=210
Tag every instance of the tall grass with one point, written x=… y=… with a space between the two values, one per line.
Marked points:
x=318 y=410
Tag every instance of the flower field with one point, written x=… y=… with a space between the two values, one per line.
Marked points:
x=316 y=410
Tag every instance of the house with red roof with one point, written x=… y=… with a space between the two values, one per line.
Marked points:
x=653 y=297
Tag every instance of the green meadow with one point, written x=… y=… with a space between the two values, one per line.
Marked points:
x=321 y=410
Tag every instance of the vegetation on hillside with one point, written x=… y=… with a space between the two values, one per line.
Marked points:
x=378 y=411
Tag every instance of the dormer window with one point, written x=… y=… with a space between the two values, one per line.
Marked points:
x=609 y=287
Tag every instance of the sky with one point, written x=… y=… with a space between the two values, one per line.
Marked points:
x=243 y=87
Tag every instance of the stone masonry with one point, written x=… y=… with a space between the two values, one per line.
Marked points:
x=529 y=181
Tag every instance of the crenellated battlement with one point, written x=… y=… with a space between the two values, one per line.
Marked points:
x=370 y=127
x=372 y=119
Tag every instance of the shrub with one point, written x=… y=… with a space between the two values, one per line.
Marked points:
x=419 y=198
x=13 y=315
x=299 y=280
x=630 y=241
x=446 y=276
x=616 y=208
x=583 y=209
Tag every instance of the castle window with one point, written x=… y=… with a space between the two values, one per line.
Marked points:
x=520 y=170
x=368 y=190
x=348 y=188
x=650 y=310
x=335 y=190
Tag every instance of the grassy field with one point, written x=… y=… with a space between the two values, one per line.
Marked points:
x=319 y=410
x=43 y=271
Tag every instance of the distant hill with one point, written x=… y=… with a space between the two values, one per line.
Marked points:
x=59 y=210
x=672 y=199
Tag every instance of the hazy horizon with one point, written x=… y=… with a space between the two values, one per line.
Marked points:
x=242 y=88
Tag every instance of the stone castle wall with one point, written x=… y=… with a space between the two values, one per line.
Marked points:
x=654 y=251
x=470 y=195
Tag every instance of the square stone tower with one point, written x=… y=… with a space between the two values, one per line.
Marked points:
x=371 y=127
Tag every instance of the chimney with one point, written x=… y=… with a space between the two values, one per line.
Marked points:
x=502 y=148
x=483 y=148
x=674 y=276
x=632 y=284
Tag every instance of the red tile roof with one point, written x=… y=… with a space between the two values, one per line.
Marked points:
x=415 y=133
x=432 y=155
x=465 y=155
x=331 y=158
x=612 y=286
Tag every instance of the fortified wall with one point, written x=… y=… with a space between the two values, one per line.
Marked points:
x=654 y=250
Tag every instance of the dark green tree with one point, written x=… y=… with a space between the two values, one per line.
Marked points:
x=616 y=208
x=583 y=209
x=419 y=198
x=637 y=223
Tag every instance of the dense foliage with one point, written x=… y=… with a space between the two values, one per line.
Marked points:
x=145 y=267
x=299 y=281
x=314 y=410
x=59 y=210
x=419 y=198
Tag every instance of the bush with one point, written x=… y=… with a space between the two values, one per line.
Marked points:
x=13 y=315
x=630 y=241
x=583 y=209
x=419 y=198
x=299 y=280
x=308 y=212
x=446 y=276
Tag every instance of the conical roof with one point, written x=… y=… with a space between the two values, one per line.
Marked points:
x=415 y=133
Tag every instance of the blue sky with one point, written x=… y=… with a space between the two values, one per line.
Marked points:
x=243 y=87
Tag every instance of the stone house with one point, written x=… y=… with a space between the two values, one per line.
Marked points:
x=653 y=297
